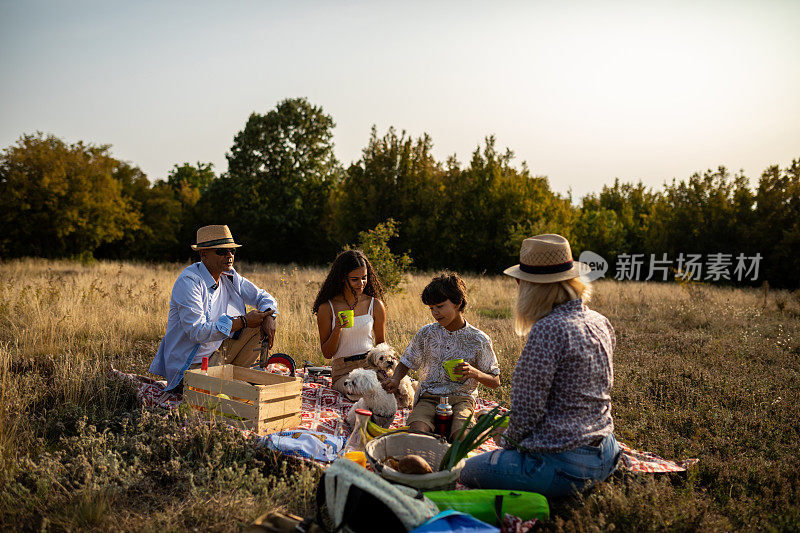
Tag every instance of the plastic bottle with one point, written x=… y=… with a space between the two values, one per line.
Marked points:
x=443 y=418
x=204 y=370
x=354 y=447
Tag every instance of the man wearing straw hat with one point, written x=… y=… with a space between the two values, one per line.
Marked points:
x=207 y=312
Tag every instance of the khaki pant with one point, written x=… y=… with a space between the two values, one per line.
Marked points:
x=425 y=409
x=240 y=352
x=339 y=370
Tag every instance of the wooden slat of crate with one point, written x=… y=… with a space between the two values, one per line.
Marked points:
x=260 y=377
x=213 y=371
x=216 y=385
x=283 y=407
x=272 y=386
x=261 y=426
x=282 y=390
x=277 y=424
x=231 y=407
x=275 y=398
x=240 y=424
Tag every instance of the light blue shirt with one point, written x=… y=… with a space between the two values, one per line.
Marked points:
x=190 y=327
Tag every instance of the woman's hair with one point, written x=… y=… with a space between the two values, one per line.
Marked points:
x=446 y=286
x=536 y=300
x=336 y=281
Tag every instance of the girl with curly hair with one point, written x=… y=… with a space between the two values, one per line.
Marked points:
x=351 y=284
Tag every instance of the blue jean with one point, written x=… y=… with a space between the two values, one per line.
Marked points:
x=552 y=475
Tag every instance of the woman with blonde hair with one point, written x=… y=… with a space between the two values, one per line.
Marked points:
x=560 y=434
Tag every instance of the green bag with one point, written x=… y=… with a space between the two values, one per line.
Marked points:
x=490 y=505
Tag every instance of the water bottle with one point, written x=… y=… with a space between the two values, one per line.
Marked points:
x=354 y=447
x=443 y=419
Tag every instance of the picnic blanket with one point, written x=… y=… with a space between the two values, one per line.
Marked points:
x=323 y=409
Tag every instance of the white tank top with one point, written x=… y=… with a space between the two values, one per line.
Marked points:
x=358 y=339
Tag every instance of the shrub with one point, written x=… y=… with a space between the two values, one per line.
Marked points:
x=391 y=268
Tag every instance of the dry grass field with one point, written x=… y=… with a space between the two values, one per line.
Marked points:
x=705 y=372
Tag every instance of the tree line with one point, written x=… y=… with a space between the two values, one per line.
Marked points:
x=287 y=197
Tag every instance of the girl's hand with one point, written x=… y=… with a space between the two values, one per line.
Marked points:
x=467 y=371
x=339 y=322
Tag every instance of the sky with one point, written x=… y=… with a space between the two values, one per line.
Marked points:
x=584 y=92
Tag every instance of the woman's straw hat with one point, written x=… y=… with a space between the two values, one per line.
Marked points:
x=214 y=237
x=546 y=259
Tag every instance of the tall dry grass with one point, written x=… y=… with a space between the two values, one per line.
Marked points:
x=700 y=371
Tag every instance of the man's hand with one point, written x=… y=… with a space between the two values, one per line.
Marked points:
x=269 y=326
x=255 y=318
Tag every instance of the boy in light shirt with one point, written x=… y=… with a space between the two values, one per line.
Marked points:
x=450 y=337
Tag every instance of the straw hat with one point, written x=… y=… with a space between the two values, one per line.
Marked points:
x=546 y=259
x=214 y=237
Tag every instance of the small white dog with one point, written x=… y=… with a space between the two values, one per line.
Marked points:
x=383 y=359
x=364 y=383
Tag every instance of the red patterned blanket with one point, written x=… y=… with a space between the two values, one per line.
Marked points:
x=324 y=409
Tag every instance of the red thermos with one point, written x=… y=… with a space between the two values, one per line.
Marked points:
x=443 y=418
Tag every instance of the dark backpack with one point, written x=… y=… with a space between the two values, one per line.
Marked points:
x=351 y=499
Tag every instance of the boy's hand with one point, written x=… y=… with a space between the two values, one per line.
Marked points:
x=390 y=384
x=467 y=371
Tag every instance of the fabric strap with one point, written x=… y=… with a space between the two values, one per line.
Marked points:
x=548 y=269
x=498 y=508
x=215 y=242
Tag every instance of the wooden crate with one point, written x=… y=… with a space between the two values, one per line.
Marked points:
x=259 y=401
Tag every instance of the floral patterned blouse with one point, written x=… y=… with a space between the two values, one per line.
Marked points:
x=560 y=390
x=433 y=344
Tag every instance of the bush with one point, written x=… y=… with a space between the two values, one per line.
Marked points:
x=389 y=267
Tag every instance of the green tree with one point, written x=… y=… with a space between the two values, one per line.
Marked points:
x=776 y=225
x=161 y=212
x=390 y=267
x=599 y=230
x=473 y=218
x=281 y=170
x=493 y=206
x=59 y=199
x=190 y=181
x=632 y=206
x=397 y=178
x=708 y=213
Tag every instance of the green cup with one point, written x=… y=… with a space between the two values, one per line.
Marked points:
x=346 y=318
x=449 y=366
